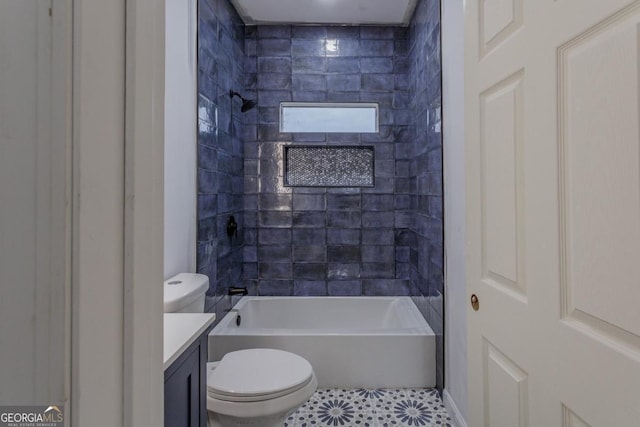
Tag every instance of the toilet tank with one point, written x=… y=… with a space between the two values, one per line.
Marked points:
x=185 y=293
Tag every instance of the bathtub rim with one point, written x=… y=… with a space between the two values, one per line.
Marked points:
x=419 y=325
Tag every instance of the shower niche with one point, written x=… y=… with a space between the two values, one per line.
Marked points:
x=329 y=166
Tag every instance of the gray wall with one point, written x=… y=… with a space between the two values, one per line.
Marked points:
x=34 y=232
x=180 y=136
x=456 y=290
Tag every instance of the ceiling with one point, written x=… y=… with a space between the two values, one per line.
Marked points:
x=334 y=12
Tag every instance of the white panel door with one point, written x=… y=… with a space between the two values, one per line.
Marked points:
x=552 y=125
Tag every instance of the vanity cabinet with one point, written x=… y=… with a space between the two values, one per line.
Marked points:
x=185 y=387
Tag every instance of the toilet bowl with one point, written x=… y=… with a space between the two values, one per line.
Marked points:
x=257 y=387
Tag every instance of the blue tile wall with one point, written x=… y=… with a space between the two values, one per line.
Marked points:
x=220 y=148
x=384 y=240
x=342 y=239
x=422 y=254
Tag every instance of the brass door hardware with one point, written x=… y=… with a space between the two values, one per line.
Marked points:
x=475 y=302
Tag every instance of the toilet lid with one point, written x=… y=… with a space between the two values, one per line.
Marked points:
x=258 y=374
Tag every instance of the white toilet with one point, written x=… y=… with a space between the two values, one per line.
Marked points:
x=256 y=387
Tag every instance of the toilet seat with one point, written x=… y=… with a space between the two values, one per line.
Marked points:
x=256 y=375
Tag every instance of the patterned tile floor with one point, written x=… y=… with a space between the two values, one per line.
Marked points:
x=371 y=408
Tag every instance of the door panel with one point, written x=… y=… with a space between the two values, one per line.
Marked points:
x=498 y=20
x=552 y=129
x=571 y=420
x=599 y=133
x=501 y=145
x=506 y=390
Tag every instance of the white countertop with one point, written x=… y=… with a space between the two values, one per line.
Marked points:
x=181 y=330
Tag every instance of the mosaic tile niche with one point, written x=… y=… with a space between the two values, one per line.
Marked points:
x=309 y=166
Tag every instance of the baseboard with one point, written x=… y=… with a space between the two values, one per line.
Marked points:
x=456 y=417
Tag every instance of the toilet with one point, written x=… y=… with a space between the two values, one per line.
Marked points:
x=256 y=387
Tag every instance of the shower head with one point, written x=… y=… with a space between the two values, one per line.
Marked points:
x=247 y=104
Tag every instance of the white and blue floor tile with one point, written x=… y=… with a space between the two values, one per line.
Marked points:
x=372 y=408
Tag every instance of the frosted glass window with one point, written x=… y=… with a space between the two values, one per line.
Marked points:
x=328 y=117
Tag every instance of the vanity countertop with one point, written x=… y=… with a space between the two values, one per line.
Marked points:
x=182 y=329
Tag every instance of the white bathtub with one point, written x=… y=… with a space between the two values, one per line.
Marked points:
x=367 y=342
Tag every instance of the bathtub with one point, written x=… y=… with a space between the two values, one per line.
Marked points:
x=351 y=342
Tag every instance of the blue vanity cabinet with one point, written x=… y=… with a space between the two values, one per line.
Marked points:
x=185 y=387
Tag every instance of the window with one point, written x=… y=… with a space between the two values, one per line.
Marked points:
x=311 y=117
